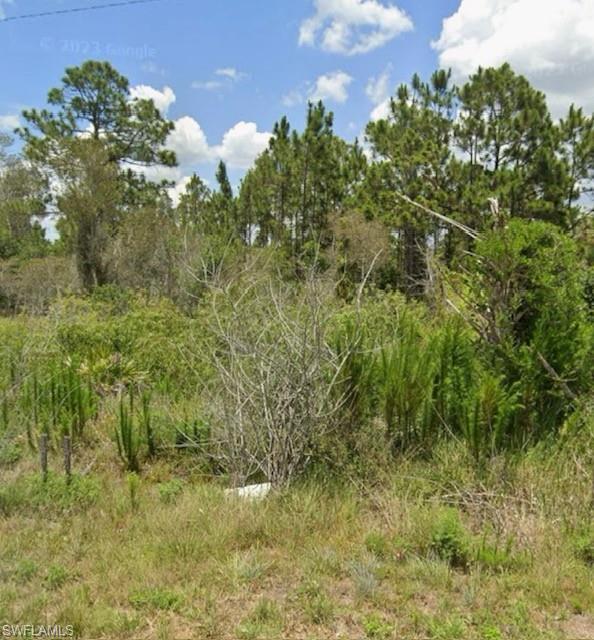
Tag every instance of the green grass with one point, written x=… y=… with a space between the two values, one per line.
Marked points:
x=413 y=557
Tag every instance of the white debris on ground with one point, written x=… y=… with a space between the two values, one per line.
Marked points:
x=251 y=491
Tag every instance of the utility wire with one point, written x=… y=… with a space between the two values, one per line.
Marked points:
x=93 y=7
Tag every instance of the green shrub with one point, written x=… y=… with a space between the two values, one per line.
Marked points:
x=449 y=540
x=407 y=366
x=527 y=295
x=133 y=484
x=169 y=491
x=497 y=557
x=10 y=453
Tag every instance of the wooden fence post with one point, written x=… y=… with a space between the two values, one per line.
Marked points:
x=67 y=447
x=43 y=454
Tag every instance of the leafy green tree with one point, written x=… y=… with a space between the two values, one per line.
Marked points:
x=413 y=149
x=221 y=211
x=94 y=101
x=577 y=149
x=23 y=195
x=299 y=183
x=90 y=207
x=222 y=178
x=145 y=253
x=194 y=204
x=88 y=138
x=507 y=135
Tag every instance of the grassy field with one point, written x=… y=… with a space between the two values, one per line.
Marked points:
x=437 y=549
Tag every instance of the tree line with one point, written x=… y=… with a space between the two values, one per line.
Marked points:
x=478 y=154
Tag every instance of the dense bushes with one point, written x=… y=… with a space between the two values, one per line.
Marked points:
x=272 y=374
x=527 y=302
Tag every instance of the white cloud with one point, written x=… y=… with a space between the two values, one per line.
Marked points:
x=156 y=173
x=378 y=91
x=179 y=188
x=176 y=191
x=242 y=144
x=189 y=142
x=209 y=85
x=353 y=26
x=162 y=99
x=380 y=111
x=9 y=122
x=232 y=73
x=331 y=86
x=229 y=76
x=378 y=87
x=292 y=98
x=551 y=42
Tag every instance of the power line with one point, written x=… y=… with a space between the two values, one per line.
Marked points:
x=93 y=7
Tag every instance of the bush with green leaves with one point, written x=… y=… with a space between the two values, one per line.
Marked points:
x=124 y=339
x=450 y=540
x=526 y=299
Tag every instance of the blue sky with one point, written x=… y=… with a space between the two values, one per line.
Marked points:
x=226 y=70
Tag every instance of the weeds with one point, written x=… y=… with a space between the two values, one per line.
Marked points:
x=158 y=599
x=317 y=605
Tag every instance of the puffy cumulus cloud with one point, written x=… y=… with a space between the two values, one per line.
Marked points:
x=551 y=42
x=9 y=122
x=242 y=144
x=189 y=142
x=239 y=147
x=331 y=86
x=158 y=173
x=350 y=27
x=176 y=191
x=163 y=99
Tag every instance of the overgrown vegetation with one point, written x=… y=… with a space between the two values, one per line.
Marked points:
x=401 y=343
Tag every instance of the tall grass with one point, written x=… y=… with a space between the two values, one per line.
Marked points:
x=428 y=382
x=126 y=434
